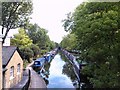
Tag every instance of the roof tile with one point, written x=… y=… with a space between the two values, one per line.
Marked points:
x=7 y=53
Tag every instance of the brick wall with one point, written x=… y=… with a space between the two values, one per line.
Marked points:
x=15 y=60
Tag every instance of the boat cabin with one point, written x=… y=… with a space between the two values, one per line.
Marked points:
x=47 y=57
x=39 y=63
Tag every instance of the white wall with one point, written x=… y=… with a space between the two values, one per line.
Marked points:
x=0 y=61
x=7 y=41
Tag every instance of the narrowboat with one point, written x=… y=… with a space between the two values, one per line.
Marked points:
x=47 y=57
x=39 y=63
x=51 y=54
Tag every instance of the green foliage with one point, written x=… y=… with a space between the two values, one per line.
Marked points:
x=14 y=15
x=21 y=39
x=97 y=31
x=32 y=42
x=24 y=43
x=69 y=42
x=43 y=52
x=39 y=37
x=68 y=23
x=25 y=64
x=26 y=53
x=36 y=50
x=52 y=45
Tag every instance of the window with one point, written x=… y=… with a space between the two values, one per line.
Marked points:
x=18 y=68
x=12 y=72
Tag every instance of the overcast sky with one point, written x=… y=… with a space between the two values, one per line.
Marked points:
x=48 y=14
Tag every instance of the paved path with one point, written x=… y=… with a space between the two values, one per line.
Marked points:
x=36 y=81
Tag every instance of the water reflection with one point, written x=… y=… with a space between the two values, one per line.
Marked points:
x=56 y=78
x=59 y=73
x=69 y=71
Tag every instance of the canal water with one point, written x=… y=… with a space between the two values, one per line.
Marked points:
x=59 y=73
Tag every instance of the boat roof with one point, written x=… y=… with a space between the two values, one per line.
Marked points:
x=39 y=59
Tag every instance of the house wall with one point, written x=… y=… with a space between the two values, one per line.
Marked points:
x=0 y=64
x=7 y=41
x=15 y=60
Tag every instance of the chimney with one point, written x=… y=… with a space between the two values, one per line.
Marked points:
x=1 y=36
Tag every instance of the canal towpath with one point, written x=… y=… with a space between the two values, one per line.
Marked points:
x=35 y=81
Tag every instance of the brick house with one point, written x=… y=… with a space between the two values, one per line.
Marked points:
x=12 y=65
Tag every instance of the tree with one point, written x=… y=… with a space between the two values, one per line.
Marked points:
x=68 y=23
x=52 y=45
x=26 y=53
x=14 y=15
x=71 y=41
x=21 y=39
x=36 y=50
x=24 y=43
x=39 y=36
x=96 y=27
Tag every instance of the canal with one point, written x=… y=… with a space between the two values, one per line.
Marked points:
x=59 y=73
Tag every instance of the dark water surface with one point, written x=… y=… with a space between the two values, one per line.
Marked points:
x=59 y=73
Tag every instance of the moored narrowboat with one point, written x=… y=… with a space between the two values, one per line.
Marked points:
x=47 y=57
x=39 y=63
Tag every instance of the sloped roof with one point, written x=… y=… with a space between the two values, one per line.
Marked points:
x=7 y=53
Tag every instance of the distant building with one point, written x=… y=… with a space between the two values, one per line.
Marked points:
x=12 y=65
x=1 y=61
x=7 y=41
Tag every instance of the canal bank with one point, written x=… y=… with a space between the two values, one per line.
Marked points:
x=78 y=64
x=72 y=60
